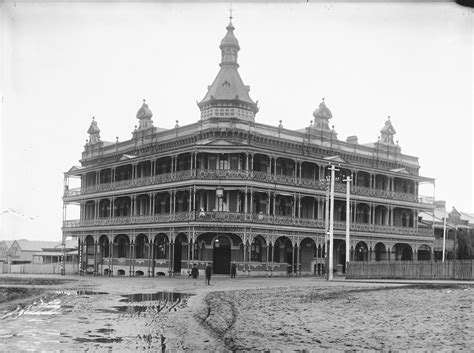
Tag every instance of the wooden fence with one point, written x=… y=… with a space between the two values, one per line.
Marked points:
x=460 y=269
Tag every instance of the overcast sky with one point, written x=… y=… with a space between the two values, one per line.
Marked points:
x=63 y=63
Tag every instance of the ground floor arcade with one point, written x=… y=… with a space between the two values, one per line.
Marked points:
x=255 y=252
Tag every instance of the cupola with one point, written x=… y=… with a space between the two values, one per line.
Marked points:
x=387 y=133
x=144 y=115
x=94 y=133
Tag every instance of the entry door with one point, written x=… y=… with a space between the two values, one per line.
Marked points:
x=221 y=256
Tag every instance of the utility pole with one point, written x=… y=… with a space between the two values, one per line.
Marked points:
x=348 y=218
x=331 y=225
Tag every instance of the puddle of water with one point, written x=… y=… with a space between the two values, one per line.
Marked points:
x=89 y=292
x=149 y=297
x=132 y=309
x=98 y=340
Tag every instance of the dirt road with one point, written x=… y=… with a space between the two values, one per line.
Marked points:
x=123 y=314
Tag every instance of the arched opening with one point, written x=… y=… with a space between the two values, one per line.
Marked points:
x=183 y=162
x=363 y=179
x=141 y=246
x=122 y=206
x=143 y=169
x=142 y=205
x=221 y=255
x=381 y=182
x=123 y=172
x=256 y=249
x=403 y=252
x=361 y=252
x=163 y=165
x=104 y=208
x=105 y=176
x=340 y=255
x=162 y=203
x=180 y=251
x=362 y=213
x=104 y=246
x=139 y=273
x=284 y=205
x=307 y=252
x=89 y=210
x=283 y=251
x=424 y=253
x=380 y=252
x=122 y=243
x=161 y=247
x=309 y=171
x=261 y=163
x=121 y=272
x=285 y=166
x=381 y=215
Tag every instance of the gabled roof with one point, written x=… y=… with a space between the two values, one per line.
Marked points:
x=32 y=245
x=75 y=168
x=8 y=243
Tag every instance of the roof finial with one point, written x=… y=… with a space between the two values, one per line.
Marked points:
x=230 y=12
x=323 y=99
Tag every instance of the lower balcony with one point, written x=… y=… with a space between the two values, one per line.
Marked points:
x=198 y=218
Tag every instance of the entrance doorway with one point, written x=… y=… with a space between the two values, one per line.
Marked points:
x=177 y=255
x=221 y=256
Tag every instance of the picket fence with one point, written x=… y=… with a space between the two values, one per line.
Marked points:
x=460 y=269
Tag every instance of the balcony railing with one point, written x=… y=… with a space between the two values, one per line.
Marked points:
x=234 y=174
x=236 y=217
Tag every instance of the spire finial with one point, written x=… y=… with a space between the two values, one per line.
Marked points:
x=230 y=12
x=323 y=99
x=144 y=100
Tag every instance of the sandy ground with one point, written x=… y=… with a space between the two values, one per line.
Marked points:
x=277 y=314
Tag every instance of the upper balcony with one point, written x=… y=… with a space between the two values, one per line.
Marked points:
x=198 y=218
x=248 y=176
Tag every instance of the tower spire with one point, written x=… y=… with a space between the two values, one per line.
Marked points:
x=228 y=92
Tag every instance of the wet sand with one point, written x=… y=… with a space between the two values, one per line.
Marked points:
x=284 y=314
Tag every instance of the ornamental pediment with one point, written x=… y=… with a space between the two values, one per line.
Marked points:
x=126 y=157
x=400 y=171
x=220 y=142
x=336 y=159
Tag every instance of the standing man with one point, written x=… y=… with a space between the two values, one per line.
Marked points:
x=208 y=273
x=233 y=270
x=194 y=273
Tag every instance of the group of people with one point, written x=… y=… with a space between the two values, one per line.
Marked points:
x=195 y=272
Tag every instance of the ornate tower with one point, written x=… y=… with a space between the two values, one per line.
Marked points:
x=144 y=115
x=322 y=114
x=228 y=97
x=94 y=133
x=387 y=133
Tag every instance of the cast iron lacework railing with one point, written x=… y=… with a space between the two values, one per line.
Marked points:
x=234 y=174
x=236 y=217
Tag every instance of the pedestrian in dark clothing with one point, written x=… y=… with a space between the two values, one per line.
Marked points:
x=233 y=270
x=194 y=273
x=208 y=273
